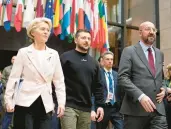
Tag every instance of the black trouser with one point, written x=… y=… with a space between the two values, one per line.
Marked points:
x=168 y=113
x=153 y=121
x=111 y=113
x=33 y=117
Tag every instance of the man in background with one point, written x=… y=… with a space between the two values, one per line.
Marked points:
x=6 y=72
x=7 y=117
x=111 y=94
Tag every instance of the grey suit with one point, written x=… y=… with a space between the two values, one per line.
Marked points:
x=136 y=78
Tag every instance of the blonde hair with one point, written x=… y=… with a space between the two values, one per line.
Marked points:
x=168 y=75
x=33 y=25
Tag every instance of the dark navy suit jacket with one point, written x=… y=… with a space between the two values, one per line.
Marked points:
x=116 y=88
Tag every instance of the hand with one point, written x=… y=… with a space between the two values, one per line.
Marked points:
x=61 y=109
x=168 y=90
x=93 y=115
x=160 y=95
x=99 y=114
x=169 y=98
x=9 y=108
x=147 y=104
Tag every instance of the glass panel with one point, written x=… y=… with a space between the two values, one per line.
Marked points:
x=114 y=10
x=139 y=11
x=132 y=37
x=114 y=42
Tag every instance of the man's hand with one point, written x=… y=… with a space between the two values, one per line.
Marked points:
x=169 y=97
x=99 y=114
x=168 y=90
x=61 y=109
x=160 y=95
x=93 y=115
x=147 y=104
x=9 y=108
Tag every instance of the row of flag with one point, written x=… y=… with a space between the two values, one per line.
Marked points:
x=67 y=17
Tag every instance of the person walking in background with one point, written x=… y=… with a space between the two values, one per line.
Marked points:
x=111 y=95
x=141 y=77
x=7 y=121
x=1 y=91
x=38 y=66
x=6 y=72
x=167 y=103
x=100 y=60
x=82 y=79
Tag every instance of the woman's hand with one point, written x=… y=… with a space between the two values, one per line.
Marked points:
x=9 y=108
x=61 y=110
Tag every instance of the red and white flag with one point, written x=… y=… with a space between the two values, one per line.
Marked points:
x=8 y=15
x=19 y=15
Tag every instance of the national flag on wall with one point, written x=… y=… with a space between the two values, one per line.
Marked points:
x=96 y=37
x=73 y=17
x=19 y=15
x=1 y=7
x=66 y=19
x=39 y=8
x=101 y=25
x=49 y=9
x=79 y=14
x=106 y=44
x=29 y=12
x=89 y=17
x=7 y=15
x=58 y=17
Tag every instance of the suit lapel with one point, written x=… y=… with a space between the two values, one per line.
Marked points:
x=142 y=57
x=104 y=78
x=43 y=71
x=157 y=60
x=115 y=85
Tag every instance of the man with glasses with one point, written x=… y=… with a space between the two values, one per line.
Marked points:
x=82 y=79
x=140 y=76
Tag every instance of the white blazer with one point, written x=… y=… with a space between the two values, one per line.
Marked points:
x=37 y=79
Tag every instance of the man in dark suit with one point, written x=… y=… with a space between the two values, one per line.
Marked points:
x=111 y=94
x=140 y=76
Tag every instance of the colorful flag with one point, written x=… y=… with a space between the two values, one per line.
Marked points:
x=49 y=9
x=95 y=41
x=19 y=15
x=106 y=45
x=58 y=18
x=88 y=17
x=7 y=15
x=73 y=17
x=79 y=14
x=66 y=19
x=102 y=25
x=39 y=8
x=1 y=7
x=29 y=12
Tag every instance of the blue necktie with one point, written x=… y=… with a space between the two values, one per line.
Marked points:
x=111 y=87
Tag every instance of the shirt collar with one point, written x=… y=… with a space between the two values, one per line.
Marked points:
x=107 y=70
x=145 y=47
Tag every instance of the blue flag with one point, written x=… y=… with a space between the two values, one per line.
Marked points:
x=49 y=9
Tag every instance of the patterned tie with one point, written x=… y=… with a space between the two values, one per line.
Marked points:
x=111 y=87
x=151 y=61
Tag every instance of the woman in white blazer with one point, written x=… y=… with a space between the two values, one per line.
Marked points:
x=29 y=91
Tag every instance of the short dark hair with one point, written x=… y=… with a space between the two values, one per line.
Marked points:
x=81 y=30
x=99 y=59
x=107 y=53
